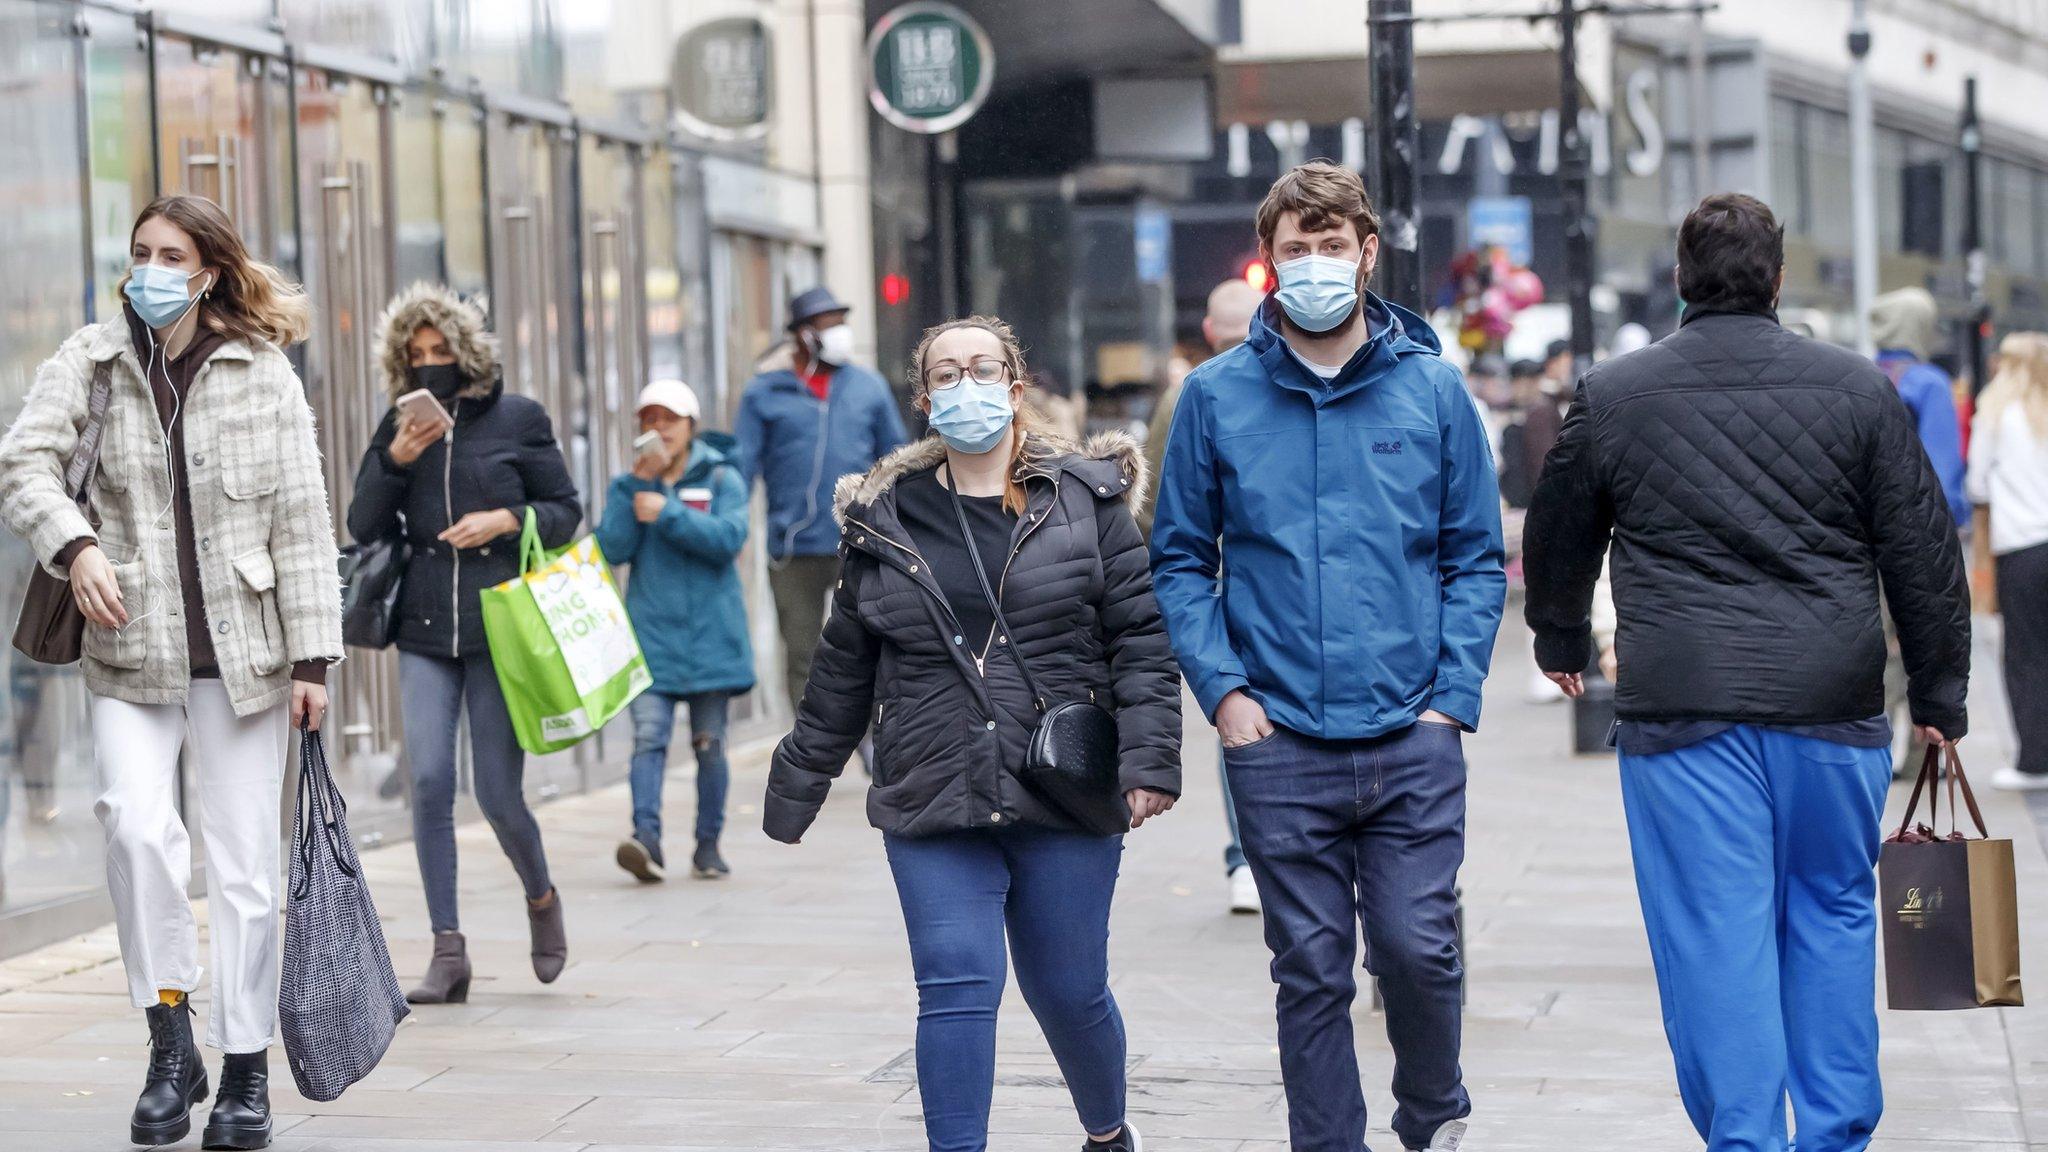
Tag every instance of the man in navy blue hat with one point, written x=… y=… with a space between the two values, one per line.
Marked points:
x=803 y=424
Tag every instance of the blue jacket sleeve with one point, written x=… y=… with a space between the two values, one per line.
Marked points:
x=752 y=433
x=714 y=537
x=1470 y=557
x=1925 y=389
x=1187 y=559
x=889 y=434
x=618 y=530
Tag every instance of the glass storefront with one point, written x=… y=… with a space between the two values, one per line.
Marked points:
x=399 y=140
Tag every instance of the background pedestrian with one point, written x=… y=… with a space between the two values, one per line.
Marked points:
x=2009 y=477
x=678 y=520
x=458 y=485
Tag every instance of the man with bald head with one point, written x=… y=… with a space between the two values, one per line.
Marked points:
x=1228 y=322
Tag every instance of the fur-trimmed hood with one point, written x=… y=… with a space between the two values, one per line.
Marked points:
x=460 y=322
x=1103 y=460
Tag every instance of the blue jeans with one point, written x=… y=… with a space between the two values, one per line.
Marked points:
x=1754 y=853
x=1343 y=833
x=1049 y=892
x=1233 y=852
x=654 y=722
x=436 y=691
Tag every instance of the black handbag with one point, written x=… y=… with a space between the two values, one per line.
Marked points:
x=51 y=628
x=1071 y=764
x=372 y=575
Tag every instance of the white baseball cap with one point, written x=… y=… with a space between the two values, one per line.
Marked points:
x=673 y=395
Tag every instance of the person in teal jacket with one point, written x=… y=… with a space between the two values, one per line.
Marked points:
x=679 y=519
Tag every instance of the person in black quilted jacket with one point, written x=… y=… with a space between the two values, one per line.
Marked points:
x=1760 y=489
x=912 y=646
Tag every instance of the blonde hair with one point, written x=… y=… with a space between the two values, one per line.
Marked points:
x=249 y=300
x=2022 y=379
x=1027 y=422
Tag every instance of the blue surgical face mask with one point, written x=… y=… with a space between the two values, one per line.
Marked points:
x=160 y=295
x=972 y=417
x=1318 y=292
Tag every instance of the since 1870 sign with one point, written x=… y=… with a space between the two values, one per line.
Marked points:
x=929 y=67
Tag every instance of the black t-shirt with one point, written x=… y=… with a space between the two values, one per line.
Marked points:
x=926 y=509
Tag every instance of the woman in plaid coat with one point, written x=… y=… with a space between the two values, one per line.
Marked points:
x=212 y=612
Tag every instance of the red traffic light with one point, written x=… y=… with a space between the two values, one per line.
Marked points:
x=1255 y=274
x=895 y=288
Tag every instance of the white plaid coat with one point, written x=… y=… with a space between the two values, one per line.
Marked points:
x=266 y=547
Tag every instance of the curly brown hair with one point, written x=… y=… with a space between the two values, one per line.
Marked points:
x=1325 y=194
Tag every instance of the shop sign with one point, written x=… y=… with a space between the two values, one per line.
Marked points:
x=929 y=67
x=722 y=79
x=1504 y=222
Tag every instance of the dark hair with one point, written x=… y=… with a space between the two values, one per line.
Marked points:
x=1557 y=348
x=1730 y=251
x=1524 y=369
x=1325 y=195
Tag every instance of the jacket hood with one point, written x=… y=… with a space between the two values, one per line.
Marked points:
x=1905 y=320
x=1397 y=332
x=459 y=322
x=1095 y=460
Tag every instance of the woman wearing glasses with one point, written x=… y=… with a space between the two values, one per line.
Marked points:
x=913 y=648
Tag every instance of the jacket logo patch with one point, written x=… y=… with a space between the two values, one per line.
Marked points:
x=1386 y=447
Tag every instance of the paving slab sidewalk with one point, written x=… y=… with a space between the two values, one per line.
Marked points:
x=775 y=1010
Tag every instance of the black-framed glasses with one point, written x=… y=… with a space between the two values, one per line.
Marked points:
x=986 y=370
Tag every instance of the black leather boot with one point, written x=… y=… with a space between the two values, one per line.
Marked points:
x=177 y=1078
x=241 y=1113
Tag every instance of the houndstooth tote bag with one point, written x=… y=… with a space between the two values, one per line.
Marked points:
x=339 y=1000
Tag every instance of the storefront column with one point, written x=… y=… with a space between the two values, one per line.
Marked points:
x=846 y=207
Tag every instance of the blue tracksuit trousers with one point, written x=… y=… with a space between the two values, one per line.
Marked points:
x=1754 y=853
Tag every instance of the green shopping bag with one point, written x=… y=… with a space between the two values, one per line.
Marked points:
x=564 y=650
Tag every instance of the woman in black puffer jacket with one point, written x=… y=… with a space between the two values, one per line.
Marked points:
x=460 y=495
x=912 y=648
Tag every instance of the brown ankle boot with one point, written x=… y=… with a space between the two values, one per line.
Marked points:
x=550 y=937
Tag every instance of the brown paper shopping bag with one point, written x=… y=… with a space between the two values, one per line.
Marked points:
x=1949 y=905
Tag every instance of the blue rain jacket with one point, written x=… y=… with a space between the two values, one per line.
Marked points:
x=683 y=591
x=799 y=447
x=1334 y=549
x=1930 y=396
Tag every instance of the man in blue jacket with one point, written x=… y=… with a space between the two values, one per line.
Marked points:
x=1327 y=553
x=800 y=429
x=1903 y=325
x=679 y=519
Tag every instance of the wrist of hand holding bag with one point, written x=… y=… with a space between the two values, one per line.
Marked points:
x=1071 y=763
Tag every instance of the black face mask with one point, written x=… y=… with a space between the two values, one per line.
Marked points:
x=443 y=380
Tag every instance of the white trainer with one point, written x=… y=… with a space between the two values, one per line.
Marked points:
x=1244 y=891
x=2013 y=780
x=1449 y=1138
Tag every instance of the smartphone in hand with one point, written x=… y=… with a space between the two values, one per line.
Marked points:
x=648 y=446
x=419 y=408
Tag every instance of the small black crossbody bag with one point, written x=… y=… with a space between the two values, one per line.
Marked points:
x=1071 y=764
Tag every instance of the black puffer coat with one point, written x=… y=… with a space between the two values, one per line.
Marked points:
x=1760 y=488
x=503 y=454
x=949 y=738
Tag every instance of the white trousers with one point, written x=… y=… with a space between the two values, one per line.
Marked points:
x=239 y=767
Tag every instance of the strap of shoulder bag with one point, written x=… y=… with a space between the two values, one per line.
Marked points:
x=85 y=461
x=1004 y=637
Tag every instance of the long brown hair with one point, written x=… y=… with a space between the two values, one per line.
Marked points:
x=249 y=300
x=1027 y=420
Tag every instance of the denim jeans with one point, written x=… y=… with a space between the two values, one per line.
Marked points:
x=1344 y=833
x=1754 y=853
x=654 y=722
x=1049 y=892
x=1233 y=852
x=436 y=691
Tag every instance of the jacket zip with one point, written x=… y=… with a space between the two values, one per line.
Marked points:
x=448 y=502
x=957 y=629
